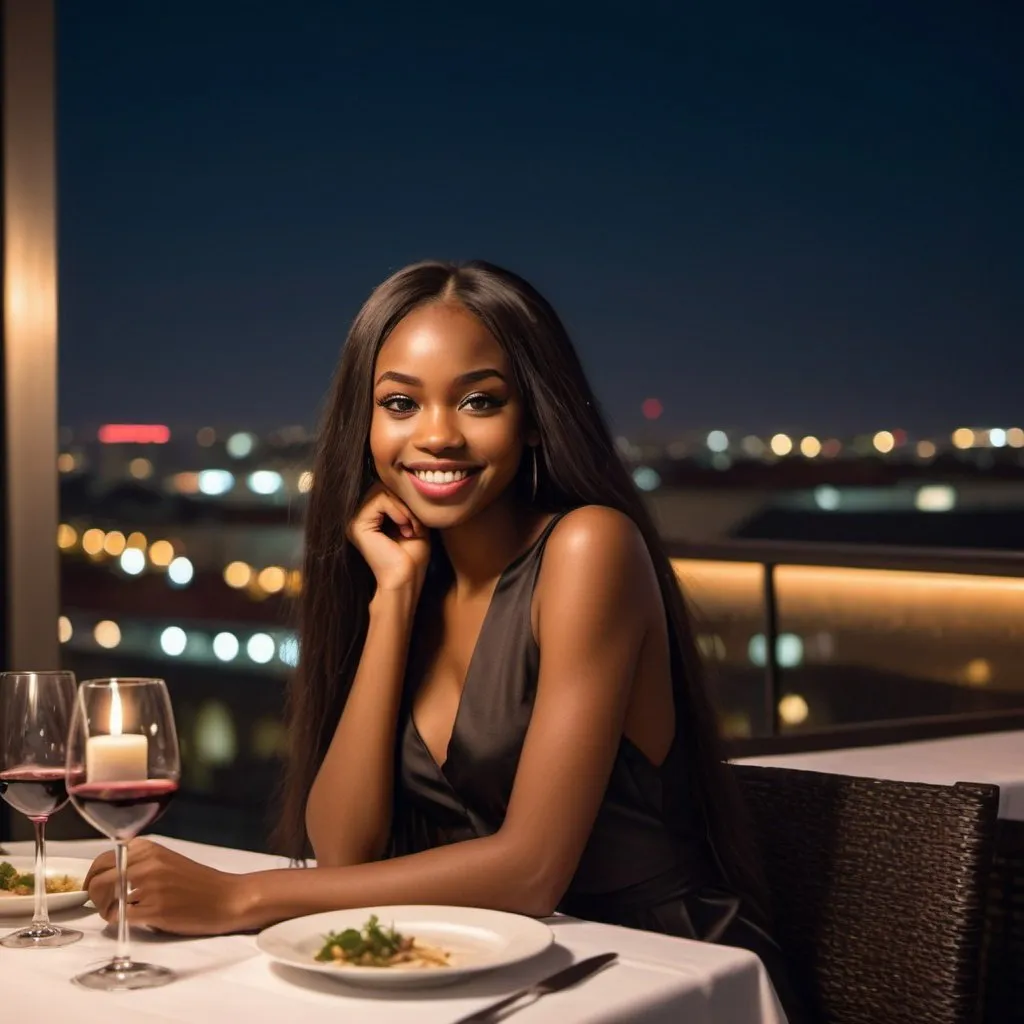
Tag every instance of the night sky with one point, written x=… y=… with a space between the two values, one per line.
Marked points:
x=766 y=214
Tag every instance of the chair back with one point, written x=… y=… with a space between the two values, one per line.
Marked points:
x=878 y=891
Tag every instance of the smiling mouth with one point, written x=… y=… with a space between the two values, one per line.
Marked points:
x=441 y=476
x=441 y=484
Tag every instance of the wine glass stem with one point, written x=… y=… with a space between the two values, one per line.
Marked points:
x=41 y=916
x=123 y=955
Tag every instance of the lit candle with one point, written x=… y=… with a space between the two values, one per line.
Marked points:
x=117 y=757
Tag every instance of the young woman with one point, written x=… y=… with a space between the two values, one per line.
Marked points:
x=499 y=702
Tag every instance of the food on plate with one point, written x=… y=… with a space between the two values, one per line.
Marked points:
x=375 y=946
x=14 y=884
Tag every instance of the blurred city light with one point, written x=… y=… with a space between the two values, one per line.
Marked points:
x=237 y=575
x=793 y=709
x=781 y=444
x=141 y=469
x=134 y=433
x=214 y=482
x=113 y=543
x=133 y=561
x=827 y=497
x=884 y=442
x=107 y=634
x=173 y=641
x=978 y=672
x=789 y=650
x=810 y=447
x=240 y=445
x=185 y=483
x=260 y=648
x=180 y=571
x=272 y=579
x=92 y=541
x=265 y=481
x=646 y=479
x=935 y=498
x=288 y=650
x=215 y=734
x=161 y=553
x=718 y=441
x=652 y=408
x=225 y=646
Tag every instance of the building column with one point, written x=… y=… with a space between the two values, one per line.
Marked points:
x=29 y=568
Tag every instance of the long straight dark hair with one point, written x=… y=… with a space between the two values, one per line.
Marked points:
x=578 y=465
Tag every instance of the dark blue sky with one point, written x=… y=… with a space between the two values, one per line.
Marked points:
x=764 y=214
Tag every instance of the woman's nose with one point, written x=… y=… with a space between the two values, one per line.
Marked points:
x=438 y=429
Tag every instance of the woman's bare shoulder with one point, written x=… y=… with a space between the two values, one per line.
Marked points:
x=599 y=546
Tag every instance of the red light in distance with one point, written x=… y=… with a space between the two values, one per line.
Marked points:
x=134 y=433
x=652 y=408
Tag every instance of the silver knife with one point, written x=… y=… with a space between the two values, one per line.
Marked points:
x=563 y=979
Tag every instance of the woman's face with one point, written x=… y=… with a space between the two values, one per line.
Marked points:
x=447 y=431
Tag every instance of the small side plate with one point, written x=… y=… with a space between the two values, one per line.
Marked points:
x=23 y=906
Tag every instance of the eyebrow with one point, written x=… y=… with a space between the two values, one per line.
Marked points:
x=473 y=377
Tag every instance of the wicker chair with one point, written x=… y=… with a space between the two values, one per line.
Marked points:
x=1004 y=1002
x=879 y=891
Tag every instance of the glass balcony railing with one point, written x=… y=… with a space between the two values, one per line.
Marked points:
x=880 y=636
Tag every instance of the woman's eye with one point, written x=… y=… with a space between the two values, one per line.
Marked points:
x=397 y=403
x=481 y=403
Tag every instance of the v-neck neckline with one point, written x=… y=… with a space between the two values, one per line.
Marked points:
x=501 y=581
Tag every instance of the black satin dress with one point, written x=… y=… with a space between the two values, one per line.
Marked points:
x=647 y=864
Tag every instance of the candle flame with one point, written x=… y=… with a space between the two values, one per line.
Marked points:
x=116 y=714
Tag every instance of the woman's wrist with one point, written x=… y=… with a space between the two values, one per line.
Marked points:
x=262 y=898
x=395 y=600
x=248 y=901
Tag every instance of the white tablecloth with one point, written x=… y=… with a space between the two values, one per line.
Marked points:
x=996 y=757
x=224 y=979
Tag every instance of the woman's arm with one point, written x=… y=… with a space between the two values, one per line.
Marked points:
x=604 y=592
x=348 y=814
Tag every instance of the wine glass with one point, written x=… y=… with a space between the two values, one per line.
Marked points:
x=122 y=771
x=35 y=709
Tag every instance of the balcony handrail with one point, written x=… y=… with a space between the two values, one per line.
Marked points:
x=971 y=561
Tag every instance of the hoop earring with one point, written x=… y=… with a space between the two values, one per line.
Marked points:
x=533 y=496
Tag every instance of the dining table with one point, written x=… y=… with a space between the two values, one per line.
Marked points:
x=655 y=978
x=996 y=758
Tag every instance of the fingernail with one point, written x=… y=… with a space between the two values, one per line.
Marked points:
x=406 y=531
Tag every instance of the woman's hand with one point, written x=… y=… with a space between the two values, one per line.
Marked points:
x=168 y=891
x=398 y=562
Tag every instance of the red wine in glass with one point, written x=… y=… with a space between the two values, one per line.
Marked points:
x=123 y=767
x=36 y=792
x=121 y=810
x=35 y=714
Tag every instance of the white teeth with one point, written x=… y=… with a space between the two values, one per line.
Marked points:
x=438 y=476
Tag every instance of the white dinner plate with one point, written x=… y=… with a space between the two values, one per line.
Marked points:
x=478 y=940
x=23 y=906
